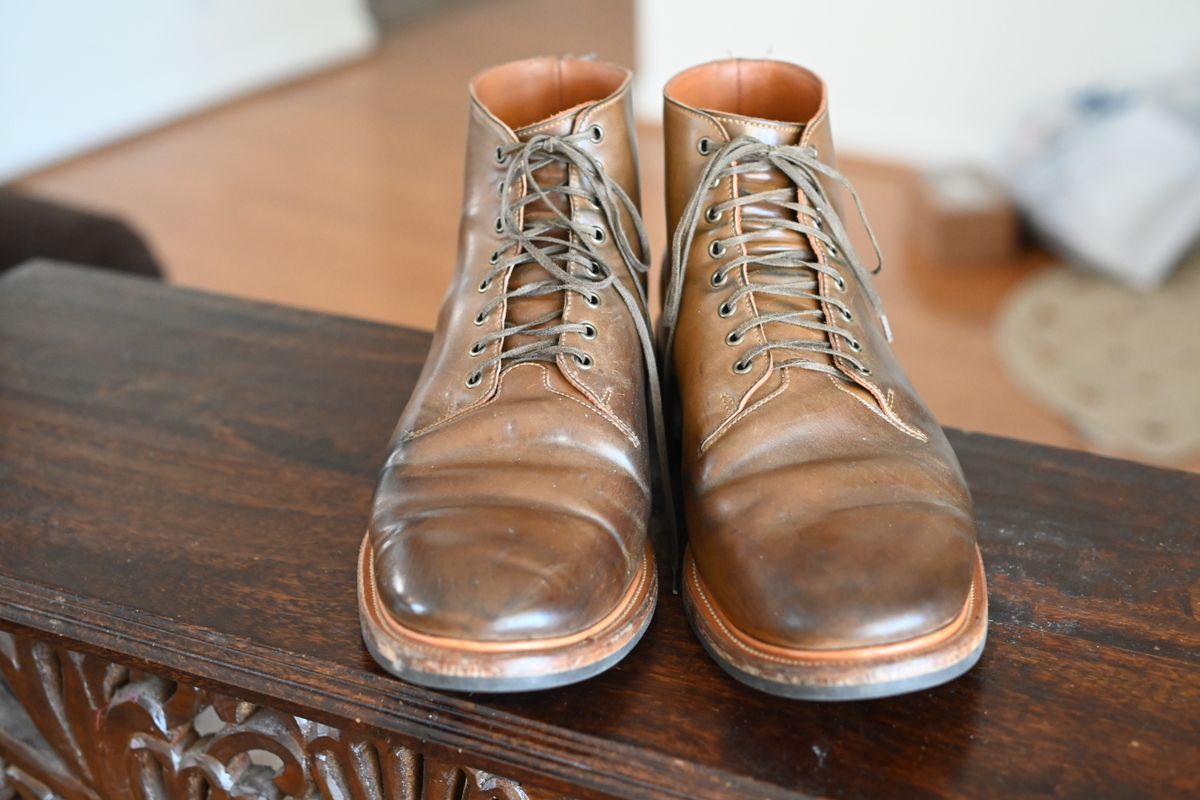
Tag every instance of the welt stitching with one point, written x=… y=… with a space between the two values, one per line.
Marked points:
x=708 y=119
x=603 y=412
x=790 y=128
x=890 y=418
x=724 y=427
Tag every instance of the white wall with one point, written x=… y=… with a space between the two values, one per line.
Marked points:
x=930 y=81
x=75 y=74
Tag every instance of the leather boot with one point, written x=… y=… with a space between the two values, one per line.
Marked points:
x=507 y=547
x=832 y=549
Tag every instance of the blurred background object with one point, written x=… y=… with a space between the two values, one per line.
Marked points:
x=77 y=74
x=33 y=228
x=1122 y=366
x=339 y=189
x=930 y=82
x=1112 y=182
x=964 y=218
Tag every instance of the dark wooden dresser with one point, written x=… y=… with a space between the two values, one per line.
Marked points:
x=184 y=481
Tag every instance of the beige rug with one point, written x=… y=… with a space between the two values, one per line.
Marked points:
x=1122 y=366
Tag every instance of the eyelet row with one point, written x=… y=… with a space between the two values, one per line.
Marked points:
x=744 y=365
x=599 y=236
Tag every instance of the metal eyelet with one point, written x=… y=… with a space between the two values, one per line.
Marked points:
x=726 y=309
x=734 y=338
x=494 y=258
x=863 y=370
x=854 y=345
x=832 y=250
x=477 y=348
x=485 y=284
x=712 y=215
x=816 y=221
x=704 y=146
x=716 y=249
x=474 y=379
x=589 y=331
x=501 y=157
x=593 y=269
x=846 y=315
x=718 y=278
x=584 y=361
x=499 y=224
x=480 y=318
x=598 y=235
x=593 y=300
x=742 y=366
x=597 y=133
x=840 y=283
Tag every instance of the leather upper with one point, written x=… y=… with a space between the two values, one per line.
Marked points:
x=517 y=508
x=823 y=512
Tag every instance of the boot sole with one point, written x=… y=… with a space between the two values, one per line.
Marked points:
x=465 y=665
x=829 y=675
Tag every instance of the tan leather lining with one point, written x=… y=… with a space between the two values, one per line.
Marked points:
x=637 y=589
x=772 y=90
x=523 y=93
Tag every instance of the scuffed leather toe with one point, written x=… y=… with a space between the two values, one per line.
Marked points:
x=497 y=574
x=856 y=577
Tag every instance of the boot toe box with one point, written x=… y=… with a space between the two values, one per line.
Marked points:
x=854 y=577
x=500 y=574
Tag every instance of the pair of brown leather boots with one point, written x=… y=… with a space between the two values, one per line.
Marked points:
x=831 y=547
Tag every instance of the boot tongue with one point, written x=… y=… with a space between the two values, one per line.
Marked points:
x=758 y=216
x=527 y=309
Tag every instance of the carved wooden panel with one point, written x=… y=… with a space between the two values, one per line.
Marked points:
x=76 y=727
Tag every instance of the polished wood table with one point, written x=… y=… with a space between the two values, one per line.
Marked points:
x=185 y=478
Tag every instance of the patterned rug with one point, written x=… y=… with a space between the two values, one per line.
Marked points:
x=1122 y=366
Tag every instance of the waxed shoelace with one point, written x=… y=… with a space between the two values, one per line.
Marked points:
x=556 y=243
x=806 y=198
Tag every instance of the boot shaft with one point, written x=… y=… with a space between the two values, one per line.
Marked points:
x=540 y=102
x=727 y=314
x=711 y=104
